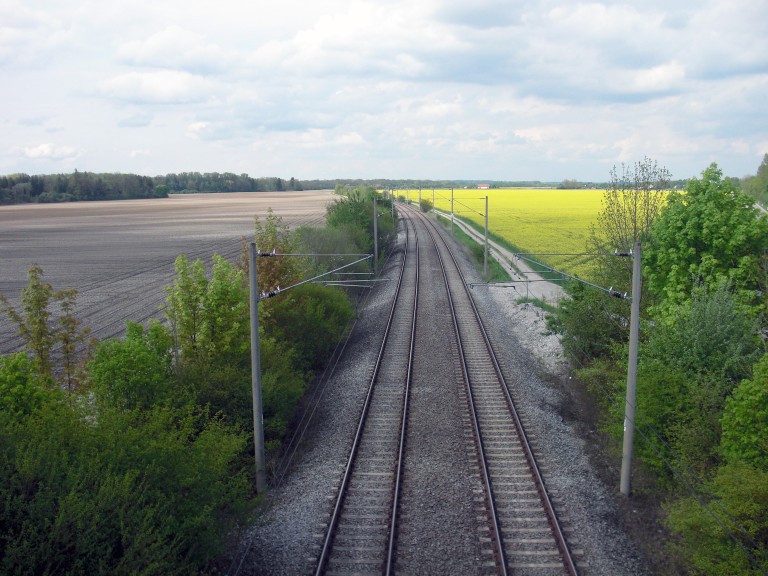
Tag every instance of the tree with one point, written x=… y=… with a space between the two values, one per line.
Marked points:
x=34 y=320
x=745 y=421
x=591 y=323
x=40 y=333
x=688 y=367
x=710 y=234
x=133 y=372
x=273 y=235
x=743 y=492
x=630 y=206
x=72 y=337
x=757 y=186
x=185 y=304
x=22 y=390
x=313 y=319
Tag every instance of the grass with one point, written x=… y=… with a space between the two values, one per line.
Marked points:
x=550 y=225
x=496 y=272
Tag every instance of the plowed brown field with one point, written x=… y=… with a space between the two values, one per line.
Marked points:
x=119 y=255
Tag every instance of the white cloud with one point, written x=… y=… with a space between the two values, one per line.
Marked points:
x=159 y=87
x=51 y=152
x=440 y=88
x=176 y=48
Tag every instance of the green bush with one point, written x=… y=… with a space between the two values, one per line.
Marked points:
x=118 y=492
x=743 y=492
x=745 y=420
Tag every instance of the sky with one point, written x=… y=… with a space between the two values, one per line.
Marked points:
x=425 y=89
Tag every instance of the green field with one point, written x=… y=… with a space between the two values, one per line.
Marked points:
x=537 y=221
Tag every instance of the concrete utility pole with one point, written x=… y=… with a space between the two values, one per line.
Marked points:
x=375 y=238
x=258 y=414
x=485 y=254
x=451 y=210
x=629 y=408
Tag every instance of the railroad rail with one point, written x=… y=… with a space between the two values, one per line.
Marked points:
x=526 y=533
x=361 y=532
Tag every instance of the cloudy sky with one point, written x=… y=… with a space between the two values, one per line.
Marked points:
x=476 y=89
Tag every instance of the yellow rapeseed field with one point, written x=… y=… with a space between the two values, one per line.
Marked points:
x=538 y=221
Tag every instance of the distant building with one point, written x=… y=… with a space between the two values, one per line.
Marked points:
x=483 y=186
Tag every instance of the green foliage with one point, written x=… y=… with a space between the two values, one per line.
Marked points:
x=41 y=334
x=22 y=390
x=425 y=205
x=757 y=185
x=133 y=372
x=125 y=493
x=743 y=492
x=209 y=317
x=745 y=420
x=354 y=214
x=342 y=240
x=185 y=305
x=282 y=386
x=708 y=235
x=587 y=322
x=313 y=319
x=34 y=321
x=273 y=235
x=687 y=369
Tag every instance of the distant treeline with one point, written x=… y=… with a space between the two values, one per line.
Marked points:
x=79 y=186
x=84 y=186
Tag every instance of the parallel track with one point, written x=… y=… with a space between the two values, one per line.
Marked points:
x=361 y=533
x=525 y=530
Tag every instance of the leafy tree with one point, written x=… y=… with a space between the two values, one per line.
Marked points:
x=185 y=304
x=687 y=369
x=149 y=492
x=34 y=321
x=710 y=234
x=591 y=323
x=757 y=186
x=225 y=328
x=313 y=319
x=354 y=212
x=745 y=420
x=273 y=235
x=41 y=335
x=72 y=337
x=587 y=325
x=22 y=390
x=631 y=204
x=133 y=372
x=743 y=492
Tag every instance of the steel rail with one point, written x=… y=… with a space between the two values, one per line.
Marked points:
x=490 y=499
x=559 y=536
x=336 y=515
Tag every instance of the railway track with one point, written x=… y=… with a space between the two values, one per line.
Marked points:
x=363 y=525
x=518 y=531
x=524 y=529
